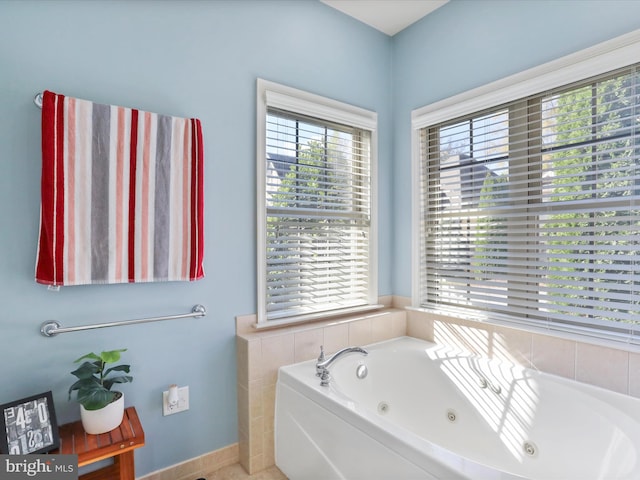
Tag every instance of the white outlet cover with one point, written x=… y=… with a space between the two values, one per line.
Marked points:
x=183 y=402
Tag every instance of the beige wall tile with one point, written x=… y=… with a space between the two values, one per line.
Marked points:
x=381 y=328
x=360 y=332
x=256 y=408
x=554 y=355
x=269 y=448
x=336 y=337
x=634 y=374
x=398 y=324
x=242 y=361
x=269 y=405
x=307 y=344
x=256 y=464
x=254 y=351
x=604 y=367
x=466 y=336
x=401 y=302
x=244 y=323
x=419 y=325
x=243 y=450
x=256 y=437
x=277 y=350
x=244 y=414
x=386 y=300
x=511 y=345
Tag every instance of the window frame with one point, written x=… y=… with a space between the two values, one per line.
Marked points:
x=608 y=56
x=277 y=96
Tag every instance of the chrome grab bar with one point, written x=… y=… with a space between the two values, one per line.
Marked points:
x=52 y=328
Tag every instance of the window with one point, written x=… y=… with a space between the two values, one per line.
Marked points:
x=529 y=211
x=316 y=164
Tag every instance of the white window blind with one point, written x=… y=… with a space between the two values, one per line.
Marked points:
x=531 y=209
x=317 y=216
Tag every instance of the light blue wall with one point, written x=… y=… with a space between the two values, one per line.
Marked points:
x=201 y=58
x=184 y=58
x=468 y=43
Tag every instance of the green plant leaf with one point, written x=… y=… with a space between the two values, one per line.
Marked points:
x=117 y=368
x=86 y=370
x=94 y=399
x=108 y=383
x=85 y=384
x=92 y=356
x=112 y=355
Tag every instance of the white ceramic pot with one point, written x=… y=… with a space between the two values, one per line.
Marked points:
x=105 y=419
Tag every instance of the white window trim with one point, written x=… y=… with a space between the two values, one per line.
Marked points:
x=270 y=94
x=617 y=53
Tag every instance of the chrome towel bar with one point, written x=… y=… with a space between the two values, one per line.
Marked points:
x=52 y=328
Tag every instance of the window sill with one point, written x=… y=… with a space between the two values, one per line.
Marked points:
x=246 y=325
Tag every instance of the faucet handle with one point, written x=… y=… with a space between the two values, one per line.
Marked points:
x=320 y=359
x=325 y=378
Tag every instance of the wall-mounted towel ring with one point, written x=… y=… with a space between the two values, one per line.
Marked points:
x=38 y=100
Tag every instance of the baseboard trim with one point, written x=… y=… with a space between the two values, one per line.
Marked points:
x=198 y=466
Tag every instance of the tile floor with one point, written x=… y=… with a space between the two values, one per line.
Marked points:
x=236 y=472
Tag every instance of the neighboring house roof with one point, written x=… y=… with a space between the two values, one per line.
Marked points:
x=463 y=184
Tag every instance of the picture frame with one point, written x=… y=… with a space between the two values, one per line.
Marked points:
x=29 y=425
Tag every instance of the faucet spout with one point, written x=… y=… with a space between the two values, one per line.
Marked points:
x=322 y=365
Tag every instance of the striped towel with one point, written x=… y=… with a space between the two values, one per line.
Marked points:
x=122 y=195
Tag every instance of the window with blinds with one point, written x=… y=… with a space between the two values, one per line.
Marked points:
x=531 y=209
x=317 y=216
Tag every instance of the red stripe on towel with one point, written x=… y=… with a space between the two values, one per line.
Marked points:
x=59 y=201
x=132 y=194
x=45 y=264
x=197 y=200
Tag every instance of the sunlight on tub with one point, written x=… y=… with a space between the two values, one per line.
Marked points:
x=510 y=413
x=609 y=456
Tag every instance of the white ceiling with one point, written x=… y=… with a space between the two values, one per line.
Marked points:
x=388 y=16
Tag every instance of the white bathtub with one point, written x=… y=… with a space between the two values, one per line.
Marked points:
x=422 y=413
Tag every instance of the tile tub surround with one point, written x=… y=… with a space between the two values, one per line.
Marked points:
x=614 y=367
x=261 y=352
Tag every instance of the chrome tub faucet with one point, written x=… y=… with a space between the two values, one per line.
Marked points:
x=322 y=364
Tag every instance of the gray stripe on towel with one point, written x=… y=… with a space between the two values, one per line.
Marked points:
x=162 y=199
x=101 y=118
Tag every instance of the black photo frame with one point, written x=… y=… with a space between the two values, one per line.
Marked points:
x=29 y=425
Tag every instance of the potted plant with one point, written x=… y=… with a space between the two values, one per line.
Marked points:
x=101 y=409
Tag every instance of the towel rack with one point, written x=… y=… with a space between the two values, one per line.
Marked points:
x=52 y=328
x=38 y=100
